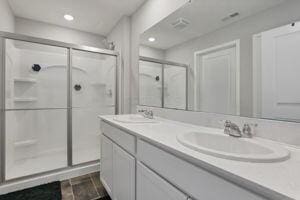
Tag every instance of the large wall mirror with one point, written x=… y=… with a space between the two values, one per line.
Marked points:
x=235 y=57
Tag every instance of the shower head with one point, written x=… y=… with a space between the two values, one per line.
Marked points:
x=36 y=67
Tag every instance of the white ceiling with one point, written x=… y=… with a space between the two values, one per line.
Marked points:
x=204 y=16
x=95 y=16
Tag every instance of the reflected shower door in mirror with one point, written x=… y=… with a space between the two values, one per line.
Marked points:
x=162 y=83
x=175 y=87
x=35 y=108
x=243 y=58
x=150 y=83
x=93 y=93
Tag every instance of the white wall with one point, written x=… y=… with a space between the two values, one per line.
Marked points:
x=152 y=52
x=54 y=32
x=120 y=35
x=243 y=30
x=7 y=19
x=150 y=13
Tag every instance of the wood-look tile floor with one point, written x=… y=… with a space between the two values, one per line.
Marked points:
x=87 y=187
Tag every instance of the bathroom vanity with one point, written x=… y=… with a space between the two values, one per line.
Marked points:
x=145 y=160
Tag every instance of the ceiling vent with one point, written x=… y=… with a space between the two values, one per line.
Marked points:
x=180 y=24
x=233 y=15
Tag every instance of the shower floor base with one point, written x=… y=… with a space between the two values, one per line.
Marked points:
x=36 y=165
x=59 y=175
x=84 y=155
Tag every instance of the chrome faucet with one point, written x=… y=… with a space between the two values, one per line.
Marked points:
x=232 y=129
x=147 y=113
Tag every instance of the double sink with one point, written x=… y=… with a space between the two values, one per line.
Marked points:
x=221 y=145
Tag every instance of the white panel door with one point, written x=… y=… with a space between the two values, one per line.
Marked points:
x=150 y=186
x=123 y=175
x=218 y=81
x=281 y=72
x=106 y=165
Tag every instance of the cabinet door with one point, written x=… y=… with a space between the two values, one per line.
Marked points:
x=123 y=175
x=150 y=186
x=106 y=165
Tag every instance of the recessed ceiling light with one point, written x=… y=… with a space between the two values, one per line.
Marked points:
x=69 y=17
x=151 y=39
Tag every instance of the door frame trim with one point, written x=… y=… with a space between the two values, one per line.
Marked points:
x=234 y=43
x=256 y=73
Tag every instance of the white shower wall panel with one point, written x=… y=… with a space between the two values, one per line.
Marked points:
x=32 y=136
x=96 y=75
x=50 y=90
x=93 y=94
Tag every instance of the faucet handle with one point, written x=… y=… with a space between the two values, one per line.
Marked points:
x=150 y=113
x=248 y=130
x=227 y=124
x=142 y=110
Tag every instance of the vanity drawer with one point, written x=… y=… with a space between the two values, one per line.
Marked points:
x=151 y=186
x=120 y=137
x=193 y=180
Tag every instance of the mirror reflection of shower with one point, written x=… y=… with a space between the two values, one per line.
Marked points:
x=162 y=83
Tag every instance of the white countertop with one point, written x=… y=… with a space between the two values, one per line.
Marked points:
x=279 y=180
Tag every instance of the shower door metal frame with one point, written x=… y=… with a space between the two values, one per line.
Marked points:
x=69 y=47
x=163 y=63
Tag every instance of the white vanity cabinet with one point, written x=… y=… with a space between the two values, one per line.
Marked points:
x=123 y=175
x=117 y=170
x=106 y=167
x=135 y=169
x=151 y=186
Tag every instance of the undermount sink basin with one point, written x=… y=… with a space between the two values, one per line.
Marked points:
x=134 y=119
x=240 y=149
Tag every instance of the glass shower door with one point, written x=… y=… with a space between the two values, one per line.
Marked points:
x=175 y=86
x=93 y=94
x=35 y=108
x=150 y=83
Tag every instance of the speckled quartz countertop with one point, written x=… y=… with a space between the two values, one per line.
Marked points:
x=279 y=180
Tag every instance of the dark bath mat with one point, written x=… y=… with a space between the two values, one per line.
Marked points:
x=49 y=191
x=105 y=198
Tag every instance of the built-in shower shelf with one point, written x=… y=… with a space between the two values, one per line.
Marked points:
x=24 y=80
x=97 y=134
x=25 y=99
x=98 y=84
x=160 y=87
x=25 y=143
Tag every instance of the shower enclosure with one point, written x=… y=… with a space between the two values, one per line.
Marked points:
x=163 y=83
x=51 y=94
